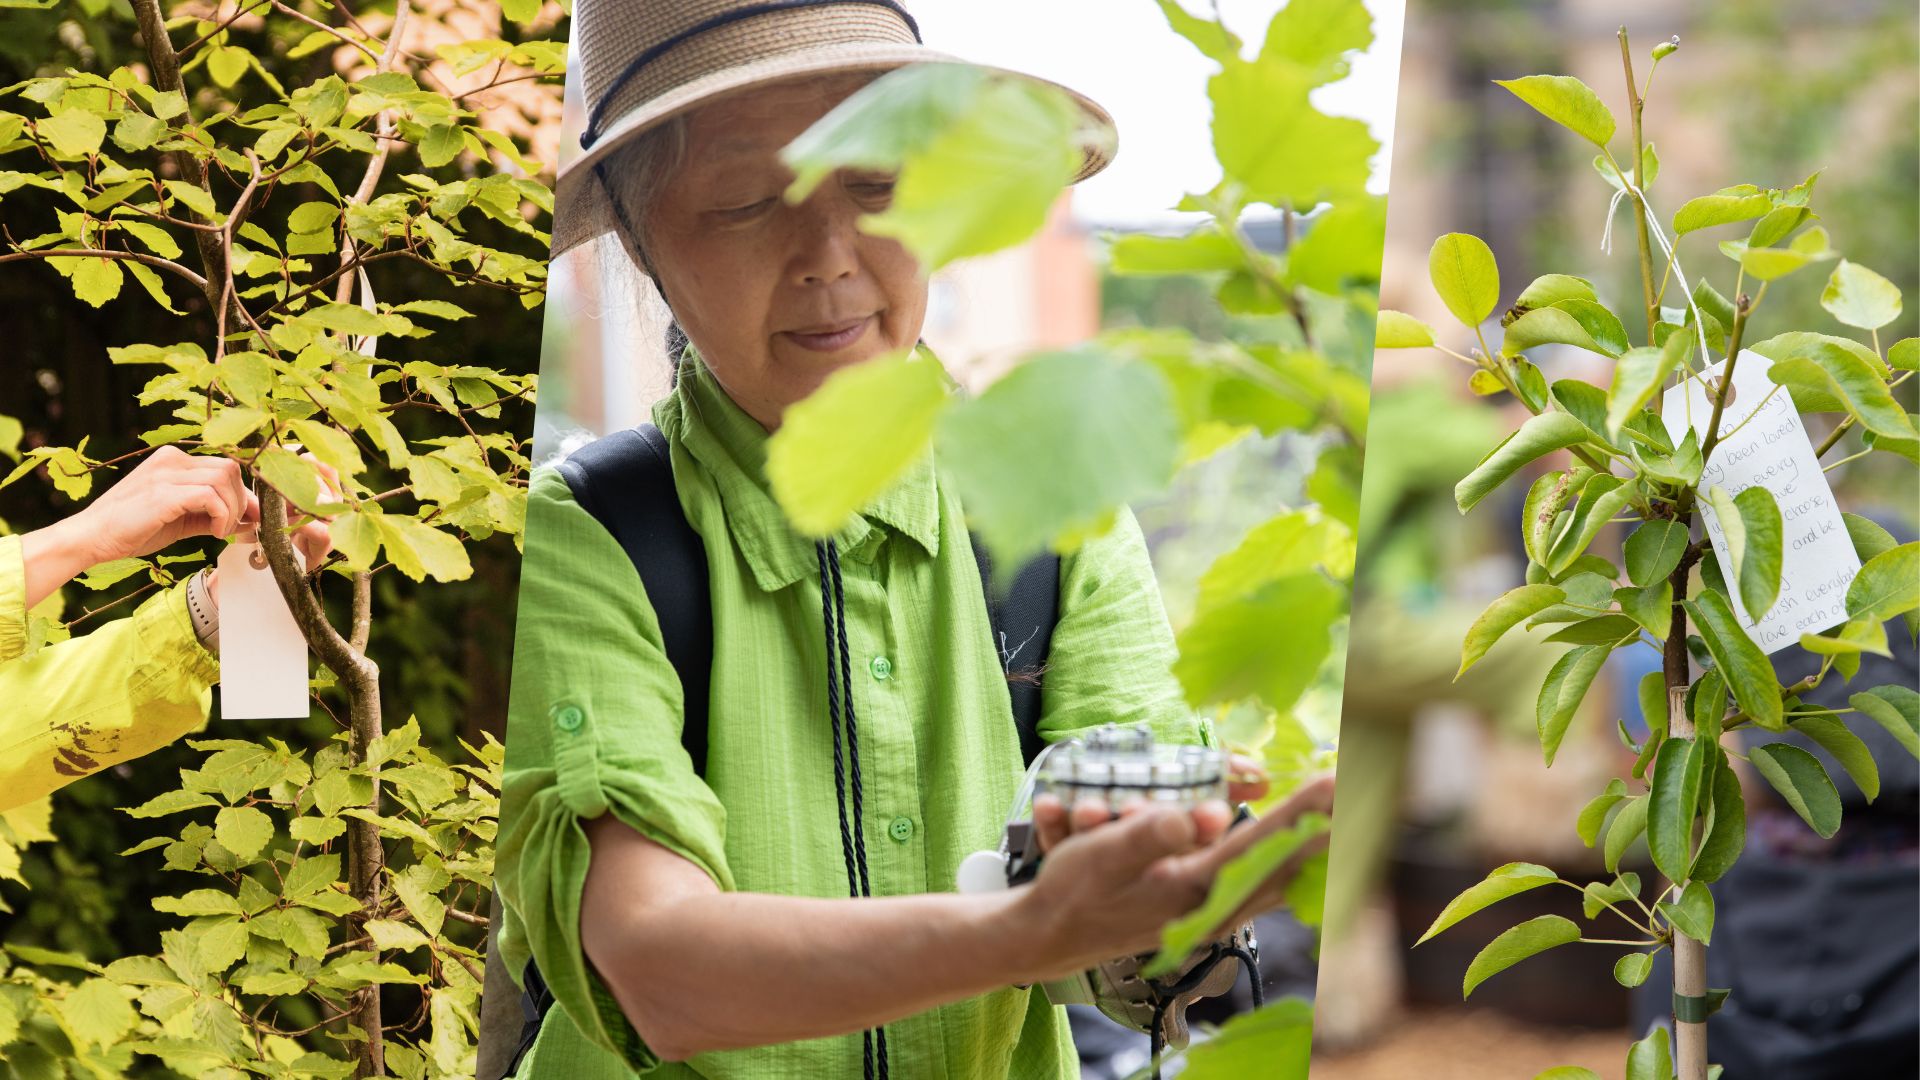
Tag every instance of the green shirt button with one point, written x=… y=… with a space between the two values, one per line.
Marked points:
x=569 y=717
x=901 y=829
x=882 y=668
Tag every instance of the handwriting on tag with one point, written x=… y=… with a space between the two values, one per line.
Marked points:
x=1770 y=449
x=263 y=657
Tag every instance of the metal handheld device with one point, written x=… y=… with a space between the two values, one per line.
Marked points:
x=1117 y=765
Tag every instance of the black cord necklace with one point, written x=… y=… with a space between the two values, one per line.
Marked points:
x=853 y=838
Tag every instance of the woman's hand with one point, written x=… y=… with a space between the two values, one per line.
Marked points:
x=1182 y=879
x=1107 y=891
x=1200 y=867
x=170 y=496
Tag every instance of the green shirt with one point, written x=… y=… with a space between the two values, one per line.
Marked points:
x=595 y=717
x=76 y=707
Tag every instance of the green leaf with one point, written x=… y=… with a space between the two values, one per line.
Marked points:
x=136 y=131
x=242 y=830
x=850 y=440
x=1583 y=324
x=1740 y=661
x=1503 y=615
x=1540 y=435
x=97 y=1013
x=171 y=802
x=420 y=551
x=1106 y=428
x=1398 y=330
x=291 y=475
x=1549 y=289
x=198 y=902
x=1270 y=138
x=94 y=281
x=74 y=133
x=1837 y=375
x=1896 y=708
x=226 y=63
x=1887 y=585
x=1678 y=769
x=1850 y=639
x=1650 y=1058
x=1638 y=375
x=1627 y=826
x=1651 y=607
x=1599 y=896
x=1720 y=208
x=1859 y=297
x=440 y=145
x=229 y=426
x=1721 y=846
x=1801 y=780
x=1692 y=914
x=1833 y=736
x=1904 y=355
x=1594 y=814
x=1269 y=644
x=1212 y=39
x=1312 y=33
x=312 y=217
x=1602 y=498
x=1561 y=693
x=1275 y=1040
x=1609 y=630
x=1566 y=101
x=1509 y=880
x=1232 y=887
x=1530 y=938
x=1196 y=253
x=1631 y=970
x=985 y=181
x=1465 y=276
x=1751 y=524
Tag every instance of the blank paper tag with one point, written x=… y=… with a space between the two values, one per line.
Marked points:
x=263 y=657
x=1772 y=450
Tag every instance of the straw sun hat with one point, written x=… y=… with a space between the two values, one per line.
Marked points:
x=643 y=62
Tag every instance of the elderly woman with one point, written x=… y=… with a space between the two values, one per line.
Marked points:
x=743 y=914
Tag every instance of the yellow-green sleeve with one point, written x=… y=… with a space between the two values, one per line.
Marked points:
x=593 y=727
x=79 y=706
x=1112 y=653
x=13 y=599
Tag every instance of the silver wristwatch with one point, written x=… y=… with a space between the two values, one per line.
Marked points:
x=203 y=611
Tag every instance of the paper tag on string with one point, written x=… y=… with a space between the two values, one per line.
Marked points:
x=263 y=656
x=1770 y=449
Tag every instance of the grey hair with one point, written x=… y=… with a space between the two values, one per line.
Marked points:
x=635 y=175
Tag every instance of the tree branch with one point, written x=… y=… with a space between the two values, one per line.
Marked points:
x=131 y=256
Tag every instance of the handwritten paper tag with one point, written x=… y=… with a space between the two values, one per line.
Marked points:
x=1771 y=449
x=263 y=657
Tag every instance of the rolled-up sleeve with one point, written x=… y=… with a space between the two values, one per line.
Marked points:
x=594 y=724
x=1111 y=658
x=82 y=705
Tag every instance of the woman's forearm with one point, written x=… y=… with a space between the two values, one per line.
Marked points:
x=52 y=557
x=731 y=970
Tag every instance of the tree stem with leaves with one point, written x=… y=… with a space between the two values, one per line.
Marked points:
x=1636 y=106
x=1689 y=956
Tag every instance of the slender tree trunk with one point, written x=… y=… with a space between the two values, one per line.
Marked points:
x=1689 y=956
x=360 y=677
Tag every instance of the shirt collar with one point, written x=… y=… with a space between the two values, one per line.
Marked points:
x=732 y=447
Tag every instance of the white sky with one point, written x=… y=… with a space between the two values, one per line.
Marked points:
x=1122 y=54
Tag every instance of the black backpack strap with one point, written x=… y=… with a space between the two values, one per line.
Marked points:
x=625 y=480
x=1022 y=619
